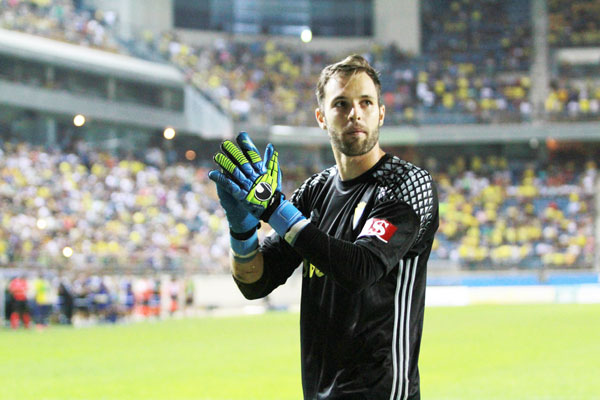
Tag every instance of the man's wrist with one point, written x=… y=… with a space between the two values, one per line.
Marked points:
x=244 y=250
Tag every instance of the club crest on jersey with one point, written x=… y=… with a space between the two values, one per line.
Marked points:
x=263 y=191
x=380 y=228
x=358 y=213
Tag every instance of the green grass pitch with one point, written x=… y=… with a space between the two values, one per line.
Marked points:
x=545 y=352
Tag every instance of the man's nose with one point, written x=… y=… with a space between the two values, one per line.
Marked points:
x=355 y=113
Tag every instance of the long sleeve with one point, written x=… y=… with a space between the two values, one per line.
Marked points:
x=280 y=261
x=359 y=264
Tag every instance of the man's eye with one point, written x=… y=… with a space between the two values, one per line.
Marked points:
x=339 y=104
x=368 y=102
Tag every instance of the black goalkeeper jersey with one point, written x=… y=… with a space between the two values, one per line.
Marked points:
x=364 y=258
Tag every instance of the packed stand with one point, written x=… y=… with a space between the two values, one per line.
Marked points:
x=493 y=34
x=61 y=20
x=264 y=83
x=441 y=92
x=495 y=214
x=574 y=92
x=88 y=211
x=574 y=23
x=474 y=68
x=573 y=99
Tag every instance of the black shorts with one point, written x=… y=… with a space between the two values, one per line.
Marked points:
x=20 y=306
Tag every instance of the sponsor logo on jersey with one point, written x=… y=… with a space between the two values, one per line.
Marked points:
x=263 y=191
x=309 y=270
x=380 y=228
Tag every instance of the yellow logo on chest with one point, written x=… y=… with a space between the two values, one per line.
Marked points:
x=309 y=270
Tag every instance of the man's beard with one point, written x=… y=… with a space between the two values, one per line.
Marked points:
x=352 y=147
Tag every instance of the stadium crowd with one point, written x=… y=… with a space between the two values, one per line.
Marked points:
x=110 y=213
x=573 y=100
x=264 y=82
x=497 y=214
x=474 y=67
x=62 y=20
x=94 y=212
x=574 y=23
x=495 y=35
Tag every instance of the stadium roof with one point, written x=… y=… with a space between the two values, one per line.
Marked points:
x=37 y=48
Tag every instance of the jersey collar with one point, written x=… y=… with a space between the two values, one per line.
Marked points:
x=345 y=185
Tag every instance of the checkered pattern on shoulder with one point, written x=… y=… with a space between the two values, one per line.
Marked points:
x=401 y=180
x=316 y=179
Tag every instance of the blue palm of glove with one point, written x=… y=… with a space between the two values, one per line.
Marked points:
x=239 y=219
x=230 y=194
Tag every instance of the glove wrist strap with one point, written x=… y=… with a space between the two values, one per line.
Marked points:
x=284 y=217
x=243 y=235
x=244 y=250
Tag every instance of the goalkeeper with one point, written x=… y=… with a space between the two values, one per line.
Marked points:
x=363 y=231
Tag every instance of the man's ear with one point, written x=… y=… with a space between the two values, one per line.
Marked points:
x=320 y=118
x=381 y=114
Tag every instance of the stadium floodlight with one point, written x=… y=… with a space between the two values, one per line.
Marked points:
x=306 y=35
x=79 y=120
x=67 y=251
x=534 y=143
x=169 y=133
x=41 y=224
x=551 y=144
x=190 y=155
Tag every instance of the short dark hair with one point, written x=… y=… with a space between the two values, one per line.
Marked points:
x=350 y=65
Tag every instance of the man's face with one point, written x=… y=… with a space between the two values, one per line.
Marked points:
x=351 y=114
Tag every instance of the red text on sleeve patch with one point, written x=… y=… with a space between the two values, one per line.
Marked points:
x=379 y=228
